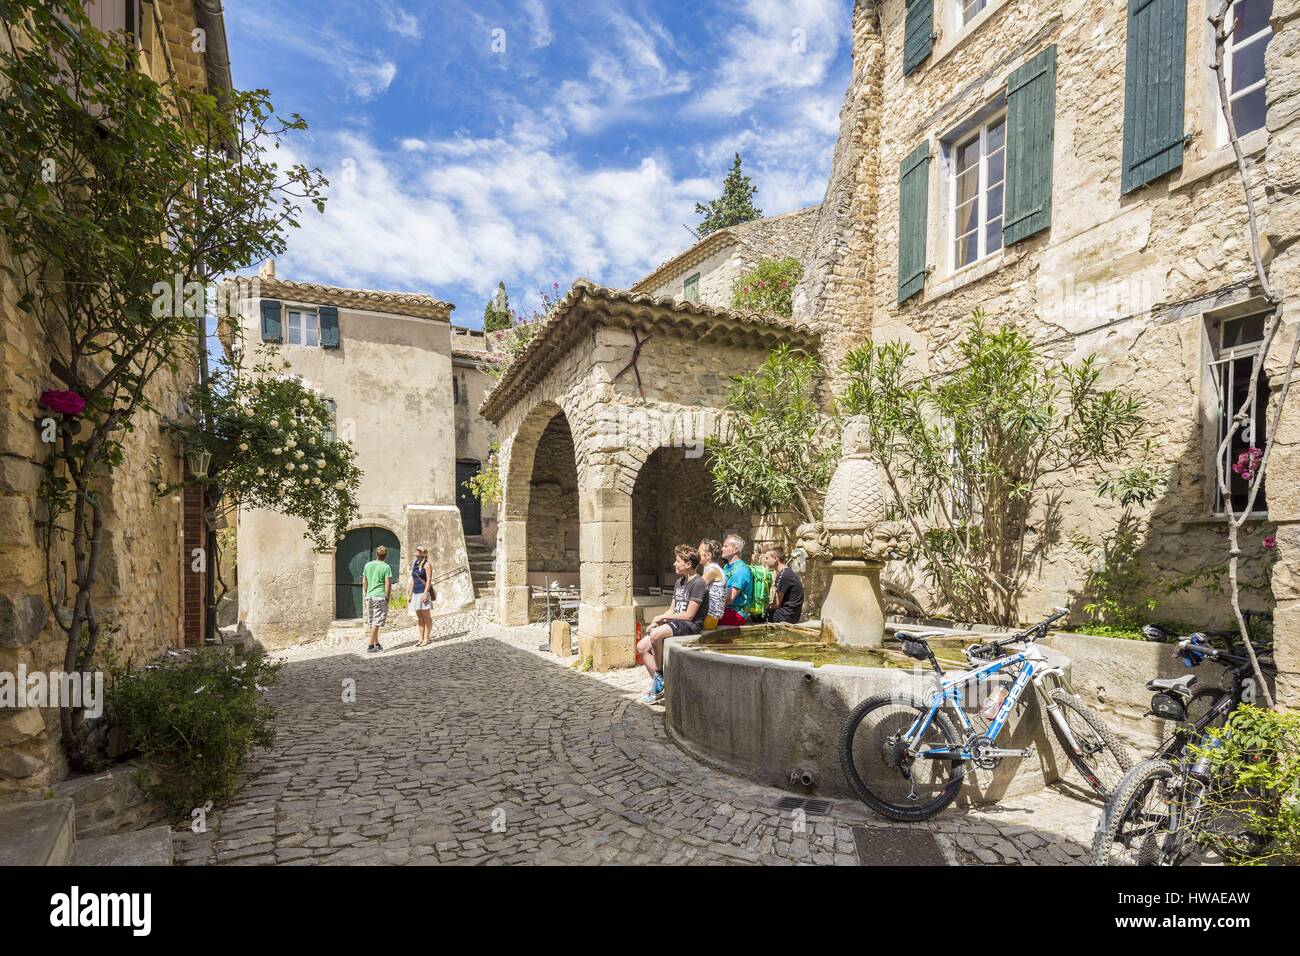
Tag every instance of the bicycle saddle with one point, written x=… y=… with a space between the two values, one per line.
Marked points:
x=1173 y=685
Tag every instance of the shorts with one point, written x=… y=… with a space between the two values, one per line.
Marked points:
x=376 y=611
x=684 y=628
x=731 y=618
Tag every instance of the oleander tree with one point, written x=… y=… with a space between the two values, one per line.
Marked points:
x=972 y=455
x=121 y=195
x=768 y=287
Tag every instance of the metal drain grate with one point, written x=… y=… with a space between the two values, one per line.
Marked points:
x=884 y=846
x=813 y=808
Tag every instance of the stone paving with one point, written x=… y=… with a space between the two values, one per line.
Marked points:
x=482 y=749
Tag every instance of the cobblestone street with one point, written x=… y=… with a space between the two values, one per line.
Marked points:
x=480 y=749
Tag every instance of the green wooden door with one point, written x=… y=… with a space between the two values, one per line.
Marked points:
x=471 y=511
x=350 y=559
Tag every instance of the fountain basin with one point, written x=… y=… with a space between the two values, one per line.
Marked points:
x=769 y=704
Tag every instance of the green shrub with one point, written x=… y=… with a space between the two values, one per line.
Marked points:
x=1257 y=754
x=768 y=287
x=194 y=722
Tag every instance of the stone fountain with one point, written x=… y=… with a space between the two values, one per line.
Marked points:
x=858 y=539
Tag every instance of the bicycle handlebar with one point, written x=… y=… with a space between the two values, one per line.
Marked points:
x=1030 y=634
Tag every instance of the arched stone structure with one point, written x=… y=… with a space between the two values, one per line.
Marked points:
x=630 y=374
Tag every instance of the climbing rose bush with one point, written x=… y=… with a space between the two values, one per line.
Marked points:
x=768 y=287
x=273 y=446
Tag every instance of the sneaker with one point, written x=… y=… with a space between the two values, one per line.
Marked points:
x=370 y=648
x=649 y=697
x=658 y=687
x=379 y=647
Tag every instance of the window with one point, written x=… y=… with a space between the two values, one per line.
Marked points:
x=1238 y=344
x=1243 y=59
x=979 y=175
x=691 y=289
x=969 y=8
x=304 y=327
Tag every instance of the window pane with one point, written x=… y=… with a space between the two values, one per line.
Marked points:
x=968 y=155
x=295 y=328
x=1250 y=17
x=311 y=328
x=997 y=135
x=994 y=204
x=972 y=7
x=997 y=167
x=1248 y=63
x=967 y=217
x=1248 y=111
x=968 y=249
x=993 y=236
x=1243 y=331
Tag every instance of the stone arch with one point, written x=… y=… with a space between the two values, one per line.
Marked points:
x=526 y=536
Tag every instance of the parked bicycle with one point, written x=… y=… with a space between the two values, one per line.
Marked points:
x=906 y=759
x=1158 y=810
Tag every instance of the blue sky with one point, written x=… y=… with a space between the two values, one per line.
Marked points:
x=534 y=141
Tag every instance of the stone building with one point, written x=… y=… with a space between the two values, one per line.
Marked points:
x=472 y=355
x=1063 y=166
x=707 y=270
x=603 y=420
x=145 y=538
x=384 y=362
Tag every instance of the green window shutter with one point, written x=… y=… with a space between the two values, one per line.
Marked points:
x=918 y=34
x=913 y=212
x=329 y=327
x=691 y=288
x=272 y=324
x=1153 y=90
x=1031 y=117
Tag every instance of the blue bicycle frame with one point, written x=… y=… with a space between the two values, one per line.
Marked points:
x=948 y=691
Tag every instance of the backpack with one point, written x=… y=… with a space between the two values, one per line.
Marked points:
x=762 y=592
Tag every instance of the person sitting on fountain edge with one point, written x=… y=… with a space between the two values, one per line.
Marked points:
x=740 y=582
x=788 y=588
x=690 y=602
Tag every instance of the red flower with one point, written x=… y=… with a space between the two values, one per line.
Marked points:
x=65 y=403
x=1270 y=542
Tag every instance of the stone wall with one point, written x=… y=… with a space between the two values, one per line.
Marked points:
x=673 y=504
x=553 y=505
x=1138 y=280
x=140 y=583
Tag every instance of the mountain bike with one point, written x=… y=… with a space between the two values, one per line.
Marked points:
x=905 y=758
x=1157 y=811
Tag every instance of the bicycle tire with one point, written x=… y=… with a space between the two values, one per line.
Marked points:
x=1100 y=781
x=1124 y=803
x=895 y=811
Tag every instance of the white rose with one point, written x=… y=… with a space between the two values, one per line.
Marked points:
x=260 y=471
x=305 y=403
x=275 y=451
x=320 y=462
x=292 y=443
x=298 y=453
x=243 y=446
x=340 y=485
x=315 y=481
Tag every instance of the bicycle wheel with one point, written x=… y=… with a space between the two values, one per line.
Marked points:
x=1135 y=828
x=874 y=760
x=1097 y=753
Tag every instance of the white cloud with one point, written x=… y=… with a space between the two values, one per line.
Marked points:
x=400 y=21
x=464 y=213
x=539 y=22
x=779 y=46
x=626 y=69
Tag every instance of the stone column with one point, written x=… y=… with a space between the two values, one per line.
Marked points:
x=512 y=571
x=607 y=618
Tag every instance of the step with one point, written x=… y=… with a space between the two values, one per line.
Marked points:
x=151 y=847
x=37 y=833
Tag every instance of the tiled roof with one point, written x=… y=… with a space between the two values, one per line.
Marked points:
x=588 y=304
x=397 y=303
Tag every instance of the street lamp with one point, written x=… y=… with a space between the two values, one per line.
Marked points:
x=199 y=459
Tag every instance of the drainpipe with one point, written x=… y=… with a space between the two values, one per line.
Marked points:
x=212 y=21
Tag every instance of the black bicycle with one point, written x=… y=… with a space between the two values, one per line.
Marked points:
x=1155 y=814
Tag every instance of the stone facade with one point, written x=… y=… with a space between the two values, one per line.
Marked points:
x=144 y=562
x=472 y=354
x=722 y=257
x=1142 y=280
x=391 y=382
x=582 y=364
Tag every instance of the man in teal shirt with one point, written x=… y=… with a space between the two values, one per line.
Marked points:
x=379 y=589
x=740 y=582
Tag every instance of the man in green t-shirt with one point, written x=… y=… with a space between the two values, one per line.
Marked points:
x=379 y=588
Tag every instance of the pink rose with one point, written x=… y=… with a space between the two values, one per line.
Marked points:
x=65 y=403
x=1270 y=542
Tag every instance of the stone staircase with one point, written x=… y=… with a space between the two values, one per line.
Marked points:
x=43 y=833
x=482 y=567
